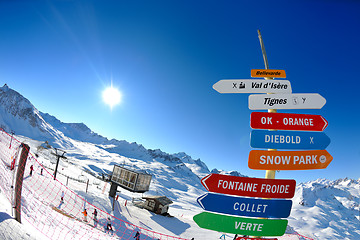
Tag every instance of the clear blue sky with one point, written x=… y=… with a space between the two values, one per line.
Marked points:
x=164 y=56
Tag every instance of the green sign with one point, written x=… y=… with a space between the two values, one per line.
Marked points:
x=243 y=226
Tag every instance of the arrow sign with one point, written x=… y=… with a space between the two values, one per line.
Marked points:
x=252 y=86
x=289 y=160
x=243 y=226
x=250 y=207
x=248 y=238
x=286 y=101
x=270 y=73
x=288 y=140
x=249 y=187
x=287 y=121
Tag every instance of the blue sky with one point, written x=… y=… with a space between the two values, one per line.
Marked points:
x=164 y=56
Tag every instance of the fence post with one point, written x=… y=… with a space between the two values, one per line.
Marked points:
x=19 y=180
x=87 y=185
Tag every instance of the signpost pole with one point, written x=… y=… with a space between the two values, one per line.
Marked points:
x=269 y=173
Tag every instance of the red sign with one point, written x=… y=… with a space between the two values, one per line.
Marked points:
x=249 y=187
x=249 y=238
x=287 y=121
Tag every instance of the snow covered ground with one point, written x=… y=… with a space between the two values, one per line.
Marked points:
x=180 y=225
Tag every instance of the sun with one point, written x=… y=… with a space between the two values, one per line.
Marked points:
x=111 y=96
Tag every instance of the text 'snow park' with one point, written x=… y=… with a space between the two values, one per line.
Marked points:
x=289 y=160
x=249 y=187
x=239 y=225
x=268 y=73
x=286 y=101
x=287 y=121
x=288 y=140
x=248 y=207
x=252 y=86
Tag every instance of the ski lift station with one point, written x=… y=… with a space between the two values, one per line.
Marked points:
x=132 y=180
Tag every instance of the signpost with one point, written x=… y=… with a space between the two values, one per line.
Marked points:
x=287 y=121
x=252 y=86
x=239 y=225
x=286 y=101
x=266 y=73
x=288 y=139
x=249 y=187
x=289 y=160
x=250 y=207
x=248 y=193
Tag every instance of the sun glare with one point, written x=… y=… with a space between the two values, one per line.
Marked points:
x=111 y=96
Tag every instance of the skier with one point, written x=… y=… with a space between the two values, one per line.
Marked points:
x=41 y=171
x=31 y=169
x=62 y=197
x=95 y=217
x=108 y=226
x=85 y=215
x=137 y=236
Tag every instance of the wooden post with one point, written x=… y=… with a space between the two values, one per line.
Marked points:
x=87 y=185
x=19 y=180
x=269 y=173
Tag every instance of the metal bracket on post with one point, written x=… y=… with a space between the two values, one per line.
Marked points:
x=19 y=180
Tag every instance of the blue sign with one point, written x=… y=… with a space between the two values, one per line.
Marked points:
x=250 y=207
x=289 y=140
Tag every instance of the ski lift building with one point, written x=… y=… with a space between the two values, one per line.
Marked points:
x=134 y=181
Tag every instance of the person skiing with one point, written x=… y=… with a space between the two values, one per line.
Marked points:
x=62 y=197
x=31 y=169
x=95 y=217
x=85 y=215
x=41 y=171
x=108 y=226
x=137 y=235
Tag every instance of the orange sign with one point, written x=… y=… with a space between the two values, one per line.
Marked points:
x=288 y=160
x=270 y=73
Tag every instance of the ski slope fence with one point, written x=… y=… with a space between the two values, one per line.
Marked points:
x=41 y=204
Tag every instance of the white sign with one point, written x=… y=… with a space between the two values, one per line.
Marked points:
x=252 y=86
x=286 y=101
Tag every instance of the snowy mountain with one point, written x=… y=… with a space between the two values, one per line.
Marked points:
x=324 y=209
x=17 y=114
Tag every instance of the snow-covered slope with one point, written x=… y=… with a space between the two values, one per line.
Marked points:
x=325 y=209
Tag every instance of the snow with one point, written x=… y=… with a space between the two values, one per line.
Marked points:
x=322 y=209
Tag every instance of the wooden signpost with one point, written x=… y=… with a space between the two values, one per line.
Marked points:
x=253 y=197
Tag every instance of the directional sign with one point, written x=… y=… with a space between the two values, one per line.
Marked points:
x=289 y=160
x=249 y=187
x=252 y=86
x=287 y=121
x=271 y=73
x=286 y=101
x=288 y=140
x=239 y=225
x=251 y=238
x=249 y=207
